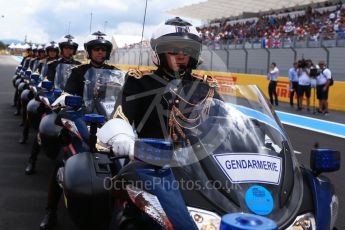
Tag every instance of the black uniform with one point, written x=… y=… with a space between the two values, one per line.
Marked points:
x=43 y=65
x=52 y=66
x=23 y=60
x=75 y=83
x=26 y=63
x=32 y=63
x=147 y=105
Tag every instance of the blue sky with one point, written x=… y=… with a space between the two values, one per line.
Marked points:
x=45 y=20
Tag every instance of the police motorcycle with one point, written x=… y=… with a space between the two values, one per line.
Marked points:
x=79 y=120
x=38 y=109
x=16 y=78
x=48 y=130
x=20 y=85
x=22 y=82
x=235 y=157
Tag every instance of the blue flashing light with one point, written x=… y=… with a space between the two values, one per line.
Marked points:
x=28 y=73
x=244 y=221
x=34 y=77
x=48 y=85
x=93 y=117
x=57 y=92
x=324 y=160
x=73 y=101
x=153 y=151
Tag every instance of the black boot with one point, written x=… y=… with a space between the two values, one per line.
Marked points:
x=30 y=168
x=49 y=220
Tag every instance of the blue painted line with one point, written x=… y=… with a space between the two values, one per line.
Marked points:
x=17 y=58
x=313 y=124
x=308 y=123
x=259 y=116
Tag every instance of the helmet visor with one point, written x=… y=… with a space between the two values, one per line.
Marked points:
x=175 y=46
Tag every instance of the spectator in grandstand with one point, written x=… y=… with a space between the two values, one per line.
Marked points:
x=322 y=88
x=293 y=83
x=313 y=23
x=272 y=76
x=304 y=87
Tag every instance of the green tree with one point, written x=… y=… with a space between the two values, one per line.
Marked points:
x=2 y=45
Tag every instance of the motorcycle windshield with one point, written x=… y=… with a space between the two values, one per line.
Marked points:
x=234 y=152
x=44 y=70
x=63 y=71
x=101 y=90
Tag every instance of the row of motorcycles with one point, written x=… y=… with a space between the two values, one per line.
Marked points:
x=240 y=172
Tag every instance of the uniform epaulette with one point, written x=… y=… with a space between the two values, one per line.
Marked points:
x=43 y=60
x=51 y=61
x=136 y=73
x=211 y=81
x=77 y=66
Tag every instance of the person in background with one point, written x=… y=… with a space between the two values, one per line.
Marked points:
x=304 y=82
x=272 y=76
x=293 y=83
x=322 y=87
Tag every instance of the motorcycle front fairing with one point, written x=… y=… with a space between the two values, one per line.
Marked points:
x=101 y=90
x=239 y=160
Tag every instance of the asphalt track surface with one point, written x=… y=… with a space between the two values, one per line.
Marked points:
x=23 y=198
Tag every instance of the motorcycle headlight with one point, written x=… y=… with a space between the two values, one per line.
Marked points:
x=304 y=222
x=204 y=220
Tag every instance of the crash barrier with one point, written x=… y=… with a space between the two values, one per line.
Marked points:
x=336 y=96
x=248 y=60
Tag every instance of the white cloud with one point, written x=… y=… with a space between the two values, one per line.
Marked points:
x=45 y=20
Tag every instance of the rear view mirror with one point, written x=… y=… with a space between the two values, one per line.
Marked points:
x=324 y=160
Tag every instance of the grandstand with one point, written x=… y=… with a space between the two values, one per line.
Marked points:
x=243 y=39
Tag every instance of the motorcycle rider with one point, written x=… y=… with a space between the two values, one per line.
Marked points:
x=29 y=54
x=55 y=70
x=41 y=54
x=68 y=49
x=34 y=57
x=52 y=51
x=176 y=49
x=98 y=51
x=24 y=63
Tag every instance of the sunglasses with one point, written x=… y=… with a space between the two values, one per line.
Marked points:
x=99 y=49
x=185 y=50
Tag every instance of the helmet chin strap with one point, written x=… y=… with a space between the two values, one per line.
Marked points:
x=177 y=74
x=97 y=63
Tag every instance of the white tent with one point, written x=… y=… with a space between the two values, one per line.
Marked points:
x=25 y=46
x=12 y=46
x=214 y=9
x=18 y=46
x=121 y=41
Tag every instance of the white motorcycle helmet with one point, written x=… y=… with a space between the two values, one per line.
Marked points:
x=175 y=32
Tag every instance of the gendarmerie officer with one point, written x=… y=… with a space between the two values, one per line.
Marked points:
x=98 y=51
